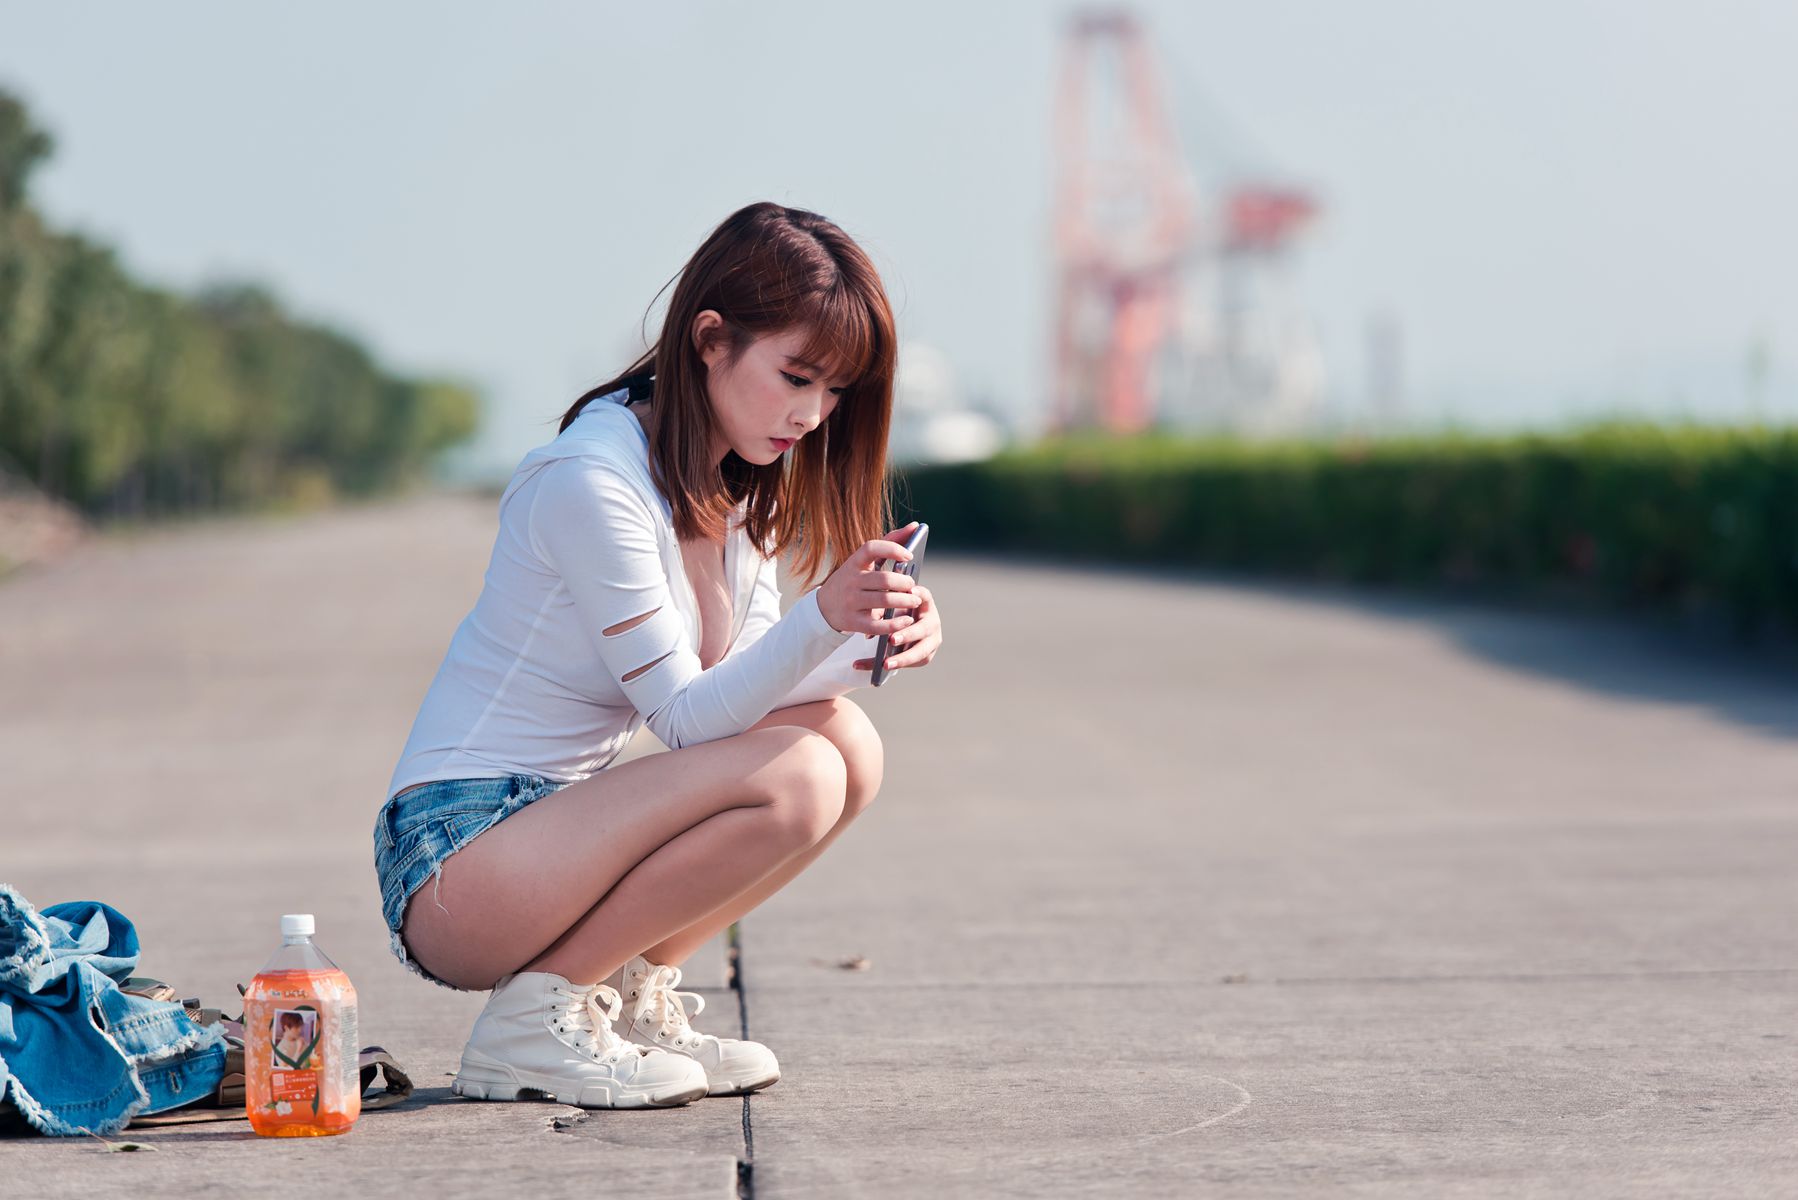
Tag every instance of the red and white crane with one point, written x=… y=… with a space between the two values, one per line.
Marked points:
x=1164 y=293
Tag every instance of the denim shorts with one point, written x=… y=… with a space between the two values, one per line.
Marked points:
x=417 y=830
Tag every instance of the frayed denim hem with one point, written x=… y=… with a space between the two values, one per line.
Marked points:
x=398 y=944
x=39 y=1117
x=398 y=947
x=417 y=831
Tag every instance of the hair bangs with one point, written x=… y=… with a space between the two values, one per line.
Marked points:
x=844 y=340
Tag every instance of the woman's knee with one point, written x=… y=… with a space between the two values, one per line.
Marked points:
x=864 y=755
x=806 y=788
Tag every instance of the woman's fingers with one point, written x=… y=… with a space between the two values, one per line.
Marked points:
x=875 y=589
x=881 y=548
x=870 y=621
x=900 y=657
x=921 y=606
x=880 y=585
x=892 y=624
x=859 y=590
x=882 y=590
x=900 y=533
x=915 y=646
x=900 y=600
x=891 y=581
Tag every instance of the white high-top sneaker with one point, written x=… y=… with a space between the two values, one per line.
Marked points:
x=654 y=1016
x=540 y=1032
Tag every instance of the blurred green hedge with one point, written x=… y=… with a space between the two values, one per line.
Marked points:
x=1699 y=519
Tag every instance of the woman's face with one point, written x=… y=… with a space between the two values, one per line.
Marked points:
x=766 y=394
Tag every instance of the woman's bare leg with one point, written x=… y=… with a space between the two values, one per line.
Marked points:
x=581 y=880
x=853 y=734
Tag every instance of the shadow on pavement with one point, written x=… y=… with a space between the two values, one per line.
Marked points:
x=1648 y=658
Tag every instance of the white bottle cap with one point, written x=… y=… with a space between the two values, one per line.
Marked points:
x=297 y=925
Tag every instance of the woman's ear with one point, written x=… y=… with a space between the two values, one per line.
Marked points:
x=707 y=331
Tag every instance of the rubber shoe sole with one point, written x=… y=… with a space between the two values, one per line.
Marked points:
x=727 y=1088
x=497 y=1082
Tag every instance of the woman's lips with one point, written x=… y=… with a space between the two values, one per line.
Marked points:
x=782 y=443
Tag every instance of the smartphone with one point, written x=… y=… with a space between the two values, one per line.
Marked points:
x=914 y=543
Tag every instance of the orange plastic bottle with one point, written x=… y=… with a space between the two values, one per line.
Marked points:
x=301 y=1077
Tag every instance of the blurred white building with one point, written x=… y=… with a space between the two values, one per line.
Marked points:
x=932 y=423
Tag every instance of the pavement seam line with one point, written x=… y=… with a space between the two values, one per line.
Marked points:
x=1312 y=980
x=734 y=961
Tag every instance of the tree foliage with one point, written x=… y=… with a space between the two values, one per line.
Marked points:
x=126 y=398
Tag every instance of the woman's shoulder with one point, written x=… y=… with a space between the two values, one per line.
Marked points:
x=594 y=478
x=605 y=424
x=606 y=433
x=599 y=450
x=575 y=505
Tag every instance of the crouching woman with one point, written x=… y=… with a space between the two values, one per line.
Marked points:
x=633 y=582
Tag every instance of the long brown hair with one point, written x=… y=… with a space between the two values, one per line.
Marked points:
x=765 y=270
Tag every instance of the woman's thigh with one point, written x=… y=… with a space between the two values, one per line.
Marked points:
x=521 y=884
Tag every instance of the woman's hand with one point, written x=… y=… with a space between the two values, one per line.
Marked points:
x=857 y=592
x=919 y=641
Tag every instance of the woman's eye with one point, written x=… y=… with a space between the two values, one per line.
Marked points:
x=800 y=381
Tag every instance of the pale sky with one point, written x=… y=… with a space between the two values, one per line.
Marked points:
x=1565 y=204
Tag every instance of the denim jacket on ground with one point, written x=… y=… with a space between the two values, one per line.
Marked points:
x=77 y=1055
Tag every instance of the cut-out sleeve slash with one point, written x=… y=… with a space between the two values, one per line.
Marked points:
x=591 y=525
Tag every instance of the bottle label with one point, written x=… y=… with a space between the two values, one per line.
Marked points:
x=300 y=1058
x=294 y=1058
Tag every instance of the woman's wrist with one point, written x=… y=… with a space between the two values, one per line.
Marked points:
x=817 y=606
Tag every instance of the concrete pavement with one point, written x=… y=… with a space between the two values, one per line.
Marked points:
x=1175 y=886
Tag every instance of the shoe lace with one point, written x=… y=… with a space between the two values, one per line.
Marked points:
x=666 y=1009
x=589 y=1013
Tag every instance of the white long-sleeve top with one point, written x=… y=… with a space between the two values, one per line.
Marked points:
x=531 y=683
